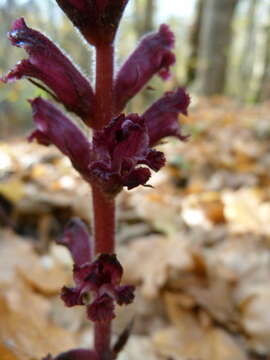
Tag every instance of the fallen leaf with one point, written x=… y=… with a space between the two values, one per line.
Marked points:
x=158 y=258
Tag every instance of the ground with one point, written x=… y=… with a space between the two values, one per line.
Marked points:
x=196 y=246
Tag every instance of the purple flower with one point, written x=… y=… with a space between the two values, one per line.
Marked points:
x=152 y=56
x=162 y=117
x=97 y=20
x=99 y=279
x=49 y=65
x=77 y=239
x=119 y=150
x=53 y=127
x=97 y=285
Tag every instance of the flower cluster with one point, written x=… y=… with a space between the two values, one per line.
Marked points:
x=98 y=287
x=97 y=283
x=120 y=153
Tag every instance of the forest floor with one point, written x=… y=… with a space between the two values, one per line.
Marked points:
x=197 y=246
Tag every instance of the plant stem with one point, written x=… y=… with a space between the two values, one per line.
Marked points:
x=104 y=84
x=104 y=221
x=104 y=206
x=103 y=340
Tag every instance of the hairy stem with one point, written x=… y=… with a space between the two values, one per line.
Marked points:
x=103 y=340
x=104 y=221
x=103 y=206
x=104 y=84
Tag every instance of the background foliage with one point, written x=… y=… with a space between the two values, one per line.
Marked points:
x=211 y=59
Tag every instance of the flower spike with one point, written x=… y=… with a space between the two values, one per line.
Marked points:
x=120 y=154
x=48 y=64
x=97 y=20
x=152 y=56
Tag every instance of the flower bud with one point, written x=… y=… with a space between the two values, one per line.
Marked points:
x=97 y=20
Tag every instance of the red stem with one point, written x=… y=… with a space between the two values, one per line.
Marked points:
x=103 y=340
x=104 y=84
x=104 y=221
x=104 y=206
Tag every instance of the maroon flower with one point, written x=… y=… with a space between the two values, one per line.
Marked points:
x=119 y=150
x=152 y=56
x=97 y=20
x=162 y=117
x=101 y=279
x=77 y=239
x=53 y=127
x=49 y=65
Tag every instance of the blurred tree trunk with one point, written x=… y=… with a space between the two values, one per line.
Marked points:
x=144 y=22
x=7 y=12
x=144 y=16
x=264 y=90
x=215 y=41
x=53 y=20
x=149 y=16
x=247 y=59
x=194 y=38
x=9 y=6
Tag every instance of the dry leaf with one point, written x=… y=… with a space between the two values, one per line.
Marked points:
x=246 y=211
x=26 y=330
x=161 y=208
x=6 y=353
x=197 y=343
x=151 y=260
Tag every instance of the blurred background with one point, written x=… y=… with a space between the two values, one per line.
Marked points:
x=222 y=48
x=197 y=246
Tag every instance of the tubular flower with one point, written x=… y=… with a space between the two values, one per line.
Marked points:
x=152 y=56
x=162 y=117
x=48 y=64
x=53 y=127
x=97 y=20
x=76 y=238
x=97 y=285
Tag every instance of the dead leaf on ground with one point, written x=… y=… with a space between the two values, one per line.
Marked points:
x=194 y=337
x=26 y=330
x=157 y=257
